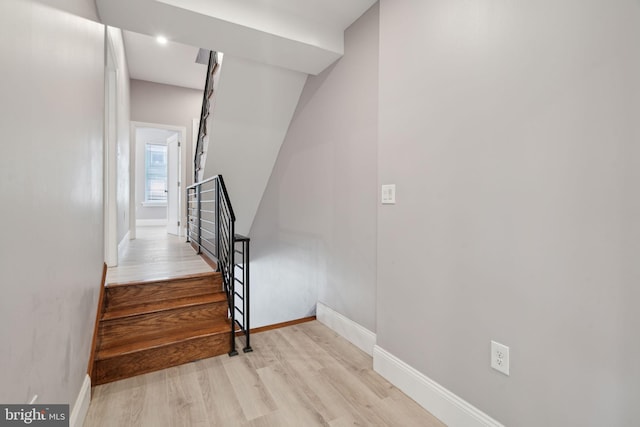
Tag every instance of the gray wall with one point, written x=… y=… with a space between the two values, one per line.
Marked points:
x=511 y=130
x=167 y=105
x=51 y=114
x=313 y=237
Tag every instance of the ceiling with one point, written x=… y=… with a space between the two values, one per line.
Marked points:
x=172 y=63
x=338 y=14
x=300 y=35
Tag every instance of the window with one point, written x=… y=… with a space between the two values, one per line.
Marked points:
x=155 y=176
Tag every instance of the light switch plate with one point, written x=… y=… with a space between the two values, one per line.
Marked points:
x=389 y=194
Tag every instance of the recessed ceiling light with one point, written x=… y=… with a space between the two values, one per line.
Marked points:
x=161 y=40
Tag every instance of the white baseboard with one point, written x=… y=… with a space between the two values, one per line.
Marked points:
x=81 y=406
x=150 y=222
x=443 y=404
x=124 y=242
x=353 y=332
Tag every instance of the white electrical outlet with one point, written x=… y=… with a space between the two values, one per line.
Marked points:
x=500 y=357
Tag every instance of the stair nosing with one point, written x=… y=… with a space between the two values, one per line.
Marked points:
x=163 y=279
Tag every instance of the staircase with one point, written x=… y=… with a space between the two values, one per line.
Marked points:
x=148 y=326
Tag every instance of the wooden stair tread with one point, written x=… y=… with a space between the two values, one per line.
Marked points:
x=155 y=306
x=162 y=340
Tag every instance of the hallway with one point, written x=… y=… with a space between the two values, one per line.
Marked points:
x=154 y=254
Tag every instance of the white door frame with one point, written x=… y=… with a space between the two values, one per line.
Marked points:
x=173 y=190
x=110 y=184
x=182 y=131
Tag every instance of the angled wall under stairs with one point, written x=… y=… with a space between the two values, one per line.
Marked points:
x=148 y=326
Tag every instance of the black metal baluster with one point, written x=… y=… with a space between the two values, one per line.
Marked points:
x=245 y=266
x=217 y=220
x=199 y=204
x=231 y=266
x=188 y=210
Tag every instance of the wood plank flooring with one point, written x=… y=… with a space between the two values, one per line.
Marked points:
x=154 y=254
x=301 y=375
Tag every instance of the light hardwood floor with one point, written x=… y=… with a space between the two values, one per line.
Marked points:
x=302 y=375
x=154 y=254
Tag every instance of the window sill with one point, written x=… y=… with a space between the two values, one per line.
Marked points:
x=154 y=204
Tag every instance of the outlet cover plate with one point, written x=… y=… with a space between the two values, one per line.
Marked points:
x=500 y=357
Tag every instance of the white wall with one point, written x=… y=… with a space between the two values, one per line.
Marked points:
x=511 y=131
x=313 y=237
x=122 y=134
x=253 y=109
x=51 y=113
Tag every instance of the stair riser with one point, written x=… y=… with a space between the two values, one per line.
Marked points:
x=127 y=329
x=124 y=296
x=145 y=308
x=154 y=359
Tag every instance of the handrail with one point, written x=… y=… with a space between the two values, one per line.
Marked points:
x=204 y=181
x=212 y=231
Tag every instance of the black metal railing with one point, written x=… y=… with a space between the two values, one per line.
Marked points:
x=241 y=295
x=205 y=111
x=211 y=229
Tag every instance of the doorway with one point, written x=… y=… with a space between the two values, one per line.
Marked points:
x=158 y=174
